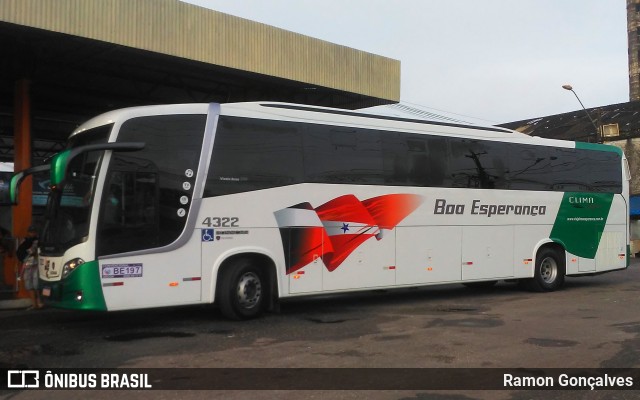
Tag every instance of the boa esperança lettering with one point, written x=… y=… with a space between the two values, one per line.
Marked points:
x=488 y=210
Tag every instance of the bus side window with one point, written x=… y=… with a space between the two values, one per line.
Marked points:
x=252 y=155
x=395 y=160
x=112 y=211
x=343 y=155
x=605 y=171
x=438 y=162
x=415 y=160
x=153 y=182
x=129 y=213
x=466 y=164
x=529 y=167
x=570 y=170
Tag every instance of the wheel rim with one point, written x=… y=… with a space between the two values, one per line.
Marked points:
x=548 y=270
x=249 y=290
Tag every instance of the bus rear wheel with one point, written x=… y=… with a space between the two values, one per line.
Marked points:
x=549 y=271
x=242 y=291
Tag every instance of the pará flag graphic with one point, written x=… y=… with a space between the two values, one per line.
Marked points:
x=335 y=229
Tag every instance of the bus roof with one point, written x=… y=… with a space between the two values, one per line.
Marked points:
x=324 y=115
x=132 y=112
x=320 y=115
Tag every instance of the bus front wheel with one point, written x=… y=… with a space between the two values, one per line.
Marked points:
x=242 y=290
x=549 y=271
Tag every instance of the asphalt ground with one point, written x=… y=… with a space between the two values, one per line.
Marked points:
x=594 y=322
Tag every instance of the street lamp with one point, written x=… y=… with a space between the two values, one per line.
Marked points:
x=570 y=88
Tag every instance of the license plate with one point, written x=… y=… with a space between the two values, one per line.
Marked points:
x=46 y=291
x=122 y=270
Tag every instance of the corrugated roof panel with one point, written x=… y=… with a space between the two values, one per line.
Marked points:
x=184 y=30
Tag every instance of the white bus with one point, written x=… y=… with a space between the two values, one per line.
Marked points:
x=244 y=204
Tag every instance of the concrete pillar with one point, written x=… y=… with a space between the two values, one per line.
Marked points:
x=633 y=32
x=21 y=217
x=22 y=157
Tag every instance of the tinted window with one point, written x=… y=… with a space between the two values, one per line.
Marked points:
x=570 y=170
x=148 y=193
x=605 y=171
x=257 y=154
x=529 y=167
x=415 y=160
x=477 y=164
x=493 y=163
x=334 y=154
x=253 y=154
x=129 y=215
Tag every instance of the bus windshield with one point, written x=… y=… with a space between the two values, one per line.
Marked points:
x=68 y=209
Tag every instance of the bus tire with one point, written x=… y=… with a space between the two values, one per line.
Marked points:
x=242 y=291
x=549 y=271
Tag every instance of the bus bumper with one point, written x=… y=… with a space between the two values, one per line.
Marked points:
x=81 y=290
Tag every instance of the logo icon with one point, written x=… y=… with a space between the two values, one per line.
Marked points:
x=207 y=235
x=18 y=379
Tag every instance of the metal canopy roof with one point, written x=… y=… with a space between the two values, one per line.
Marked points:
x=577 y=126
x=87 y=57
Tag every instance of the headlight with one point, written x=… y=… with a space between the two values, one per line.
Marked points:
x=70 y=266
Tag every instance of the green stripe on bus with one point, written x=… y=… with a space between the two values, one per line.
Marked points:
x=86 y=278
x=580 y=222
x=599 y=147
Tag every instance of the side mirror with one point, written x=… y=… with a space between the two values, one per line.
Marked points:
x=60 y=161
x=17 y=179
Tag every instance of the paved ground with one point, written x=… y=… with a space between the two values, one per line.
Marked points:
x=593 y=323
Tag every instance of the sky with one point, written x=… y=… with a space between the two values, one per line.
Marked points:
x=478 y=61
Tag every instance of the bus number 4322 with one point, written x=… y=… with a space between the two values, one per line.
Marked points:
x=221 y=222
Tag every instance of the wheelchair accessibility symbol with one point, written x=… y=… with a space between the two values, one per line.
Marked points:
x=207 y=235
